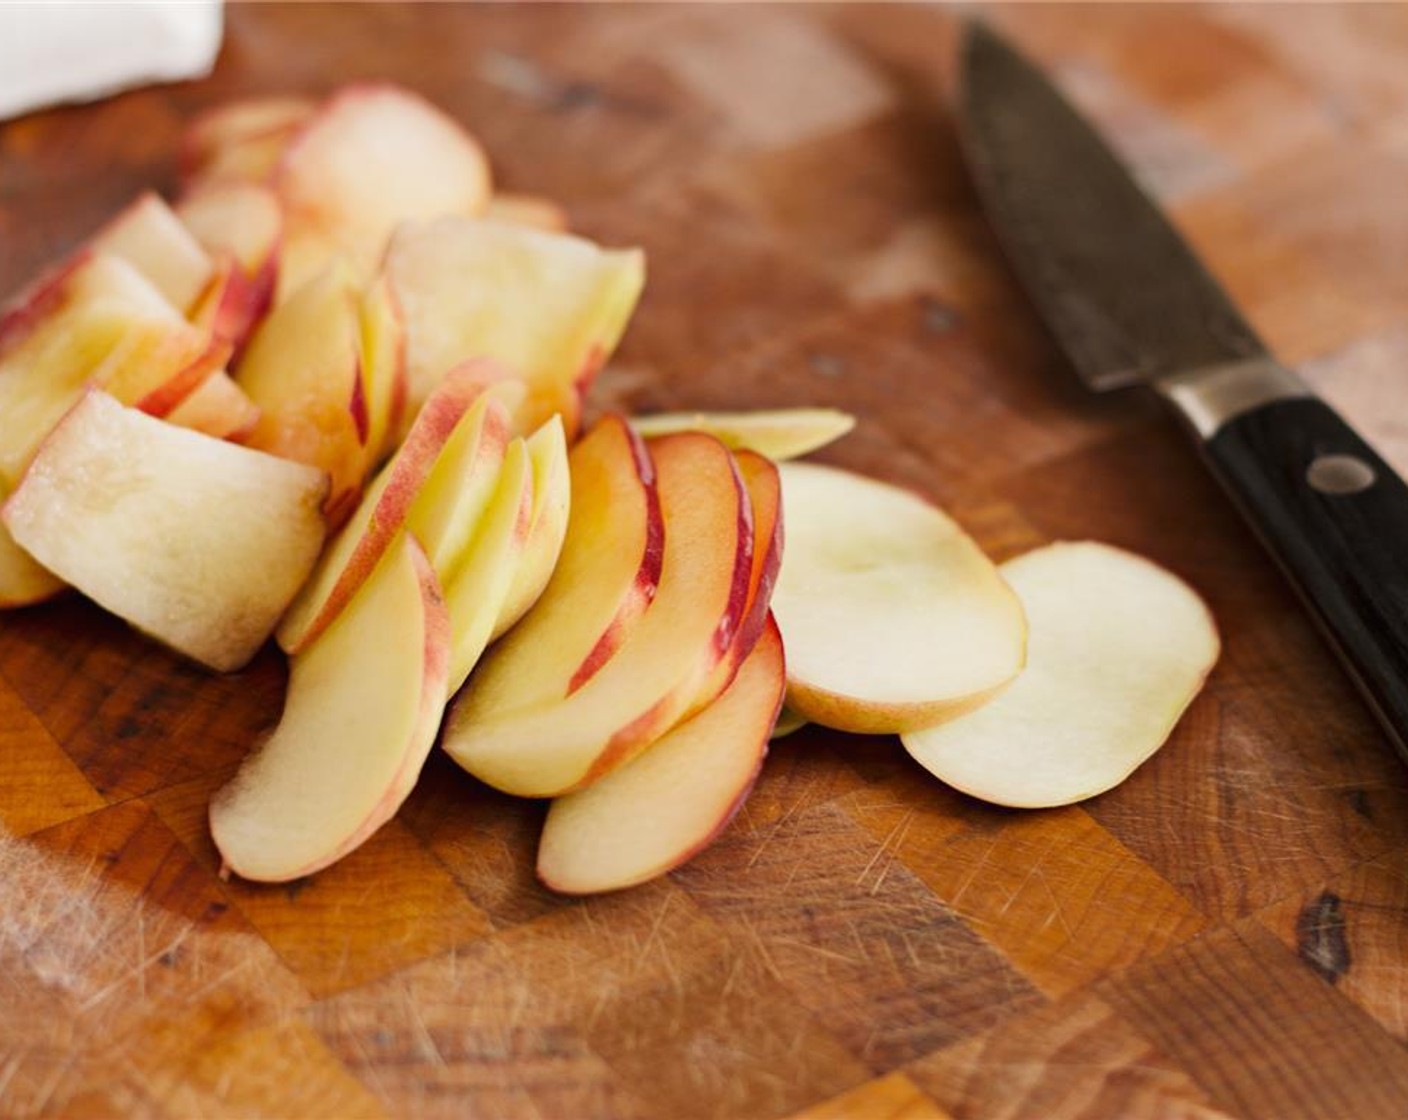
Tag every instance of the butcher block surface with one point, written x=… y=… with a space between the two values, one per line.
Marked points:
x=1226 y=934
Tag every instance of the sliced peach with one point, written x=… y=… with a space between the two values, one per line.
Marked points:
x=372 y=157
x=479 y=582
x=198 y=542
x=357 y=548
x=23 y=580
x=384 y=364
x=364 y=702
x=244 y=223
x=241 y=139
x=650 y=682
x=605 y=577
x=893 y=617
x=218 y=407
x=154 y=241
x=1119 y=649
x=549 y=307
x=547 y=524
x=780 y=433
x=664 y=807
x=764 y=489
x=97 y=321
x=303 y=371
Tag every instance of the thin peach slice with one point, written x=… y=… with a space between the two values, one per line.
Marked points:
x=893 y=617
x=1119 y=648
x=649 y=683
x=479 y=582
x=303 y=371
x=357 y=548
x=372 y=157
x=364 y=702
x=529 y=210
x=661 y=809
x=605 y=577
x=547 y=524
x=218 y=407
x=779 y=434
x=154 y=241
x=549 y=307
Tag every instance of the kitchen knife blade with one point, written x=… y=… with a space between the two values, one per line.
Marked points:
x=1130 y=303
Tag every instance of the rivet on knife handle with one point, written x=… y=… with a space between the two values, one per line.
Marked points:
x=1335 y=515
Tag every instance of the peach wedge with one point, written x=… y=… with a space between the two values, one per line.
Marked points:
x=605 y=577
x=1119 y=648
x=780 y=433
x=198 y=542
x=893 y=618
x=549 y=307
x=651 y=681
x=393 y=496
x=364 y=702
x=657 y=811
x=371 y=157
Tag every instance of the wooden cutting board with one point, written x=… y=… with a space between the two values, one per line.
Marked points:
x=1225 y=934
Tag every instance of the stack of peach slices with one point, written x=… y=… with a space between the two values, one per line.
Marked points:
x=334 y=393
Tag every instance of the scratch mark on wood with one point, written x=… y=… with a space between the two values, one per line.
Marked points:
x=1320 y=937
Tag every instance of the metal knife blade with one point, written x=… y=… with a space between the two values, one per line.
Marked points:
x=1130 y=303
x=1119 y=287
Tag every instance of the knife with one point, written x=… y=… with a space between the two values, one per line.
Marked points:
x=1131 y=304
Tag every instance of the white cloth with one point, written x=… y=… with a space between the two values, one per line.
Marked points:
x=54 y=51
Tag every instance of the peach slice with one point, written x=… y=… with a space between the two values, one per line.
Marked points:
x=893 y=618
x=154 y=241
x=372 y=157
x=550 y=307
x=1119 y=648
x=650 y=682
x=384 y=365
x=198 y=542
x=303 y=371
x=479 y=582
x=218 y=407
x=98 y=321
x=242 y=139
x=357 y=548
x=242 y=222
x=664 y=807
x=547 y=524
x=364 y=702
x=782 y=433
x=605 y=577
x=527 y=210
x=764 y=489
x=23 y=580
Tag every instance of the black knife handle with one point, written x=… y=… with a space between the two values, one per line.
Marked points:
x=1335 y=516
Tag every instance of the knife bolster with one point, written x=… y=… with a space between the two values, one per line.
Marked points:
x=1209 y=398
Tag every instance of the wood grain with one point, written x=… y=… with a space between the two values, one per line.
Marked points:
x=1223 y=935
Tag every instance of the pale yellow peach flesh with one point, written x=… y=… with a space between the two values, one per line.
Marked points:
x=1118 y=649
x=650 y=682
x=358 y=546
x=479 y=581
x=218 y=407
x=198 y=542
x=892 y=616
x=154 y=241
x=373 y=156
x=303 y=371
x=605 y=577
x=364 y=702
x=547 y=524
x=549 y=307
x=659 y=810
x=778 y=434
